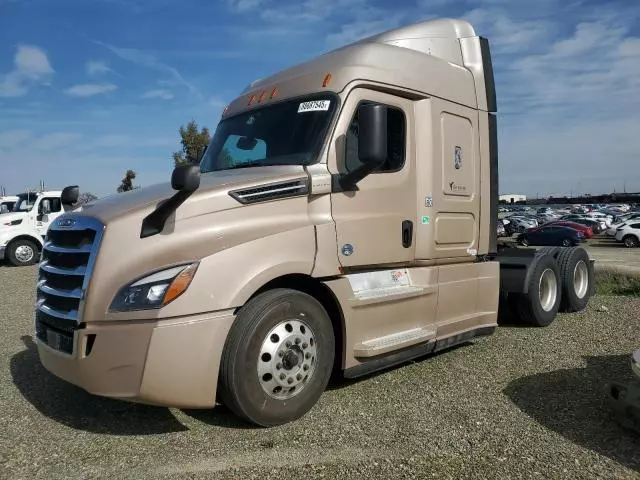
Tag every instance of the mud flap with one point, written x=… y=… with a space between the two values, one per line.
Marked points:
x=624 y=400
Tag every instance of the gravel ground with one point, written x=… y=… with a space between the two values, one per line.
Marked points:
x=523 y=403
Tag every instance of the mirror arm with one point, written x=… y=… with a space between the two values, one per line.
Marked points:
x=155 y=221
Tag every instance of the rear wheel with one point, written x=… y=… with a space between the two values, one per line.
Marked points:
x=539 y=306
x=576 y=279
x=22 y=252
x=278 y=358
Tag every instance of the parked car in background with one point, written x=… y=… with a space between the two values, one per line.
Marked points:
x=597 y=226
x=551 y=235
x=502 y=232
x=584 y=229
x=520 y=223
x=629 y=234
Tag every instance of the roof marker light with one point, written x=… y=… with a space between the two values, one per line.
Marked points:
x=261 y=97
x=273 y=92
x=251 y=98
x=327 y=80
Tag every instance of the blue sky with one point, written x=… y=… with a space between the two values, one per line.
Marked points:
x=89 y=88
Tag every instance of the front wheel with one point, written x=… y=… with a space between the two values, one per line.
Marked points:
x=278 y=358
x=630 y=241
x=22 y=252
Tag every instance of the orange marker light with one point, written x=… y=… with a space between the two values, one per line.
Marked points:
x=251 y=99
x=327 y=80
x=261 y=97
x=273 y=92
x=180 y=284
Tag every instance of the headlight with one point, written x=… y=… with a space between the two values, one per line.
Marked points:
x=155 y=290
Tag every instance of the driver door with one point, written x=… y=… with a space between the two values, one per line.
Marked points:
x=49 y=208
x=375 y=224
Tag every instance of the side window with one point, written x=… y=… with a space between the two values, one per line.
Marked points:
x=396 y=141
x=238 y=150
x=54 y=204
x=635 y=225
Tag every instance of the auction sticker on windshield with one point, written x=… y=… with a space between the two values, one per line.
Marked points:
x=314 y=106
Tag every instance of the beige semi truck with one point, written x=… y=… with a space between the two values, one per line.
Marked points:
x=341 y=220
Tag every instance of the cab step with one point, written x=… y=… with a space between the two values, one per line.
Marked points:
x=395 y=341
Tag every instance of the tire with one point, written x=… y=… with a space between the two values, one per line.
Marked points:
x=258 y=339
x=524 y=242
x=566 y=242
x=22 y=252
x=531 y=309
x=630 y=241
x=553 y=251
x=576 y=279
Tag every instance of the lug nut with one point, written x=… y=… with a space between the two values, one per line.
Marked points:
x=282 y=376
x=281 y=354
x=279 y=366
x=305 y=345
x=288 y=344
x=298 y=341
x=299 y=377
x=305 y=367
x=290 y=380
x=307 y=355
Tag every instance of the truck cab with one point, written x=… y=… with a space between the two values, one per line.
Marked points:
x=6 y=203
x=342 y=219
x=23 y=229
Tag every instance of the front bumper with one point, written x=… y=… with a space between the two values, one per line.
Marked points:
x=171 y=363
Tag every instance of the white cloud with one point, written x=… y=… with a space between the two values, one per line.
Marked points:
x=13 y=138
x=31 y=67
x=90 y=89
x=244 y=5
x=146 y=60
x=162 y=94
x=54 y=141
x=97 y=67
x=217 y=102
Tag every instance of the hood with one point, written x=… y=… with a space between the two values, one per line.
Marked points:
x=213 y=184
x=10 y=217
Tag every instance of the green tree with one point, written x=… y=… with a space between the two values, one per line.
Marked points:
x=194 y=141
x=127 y=182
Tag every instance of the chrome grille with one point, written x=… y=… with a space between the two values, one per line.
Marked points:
x=68 y=257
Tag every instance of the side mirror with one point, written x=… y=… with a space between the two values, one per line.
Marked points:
x=4 y=209
x=372 y=144
x=186 y=178
x=70 y=195
x=372 y=136
x=246 y=143
x=45 y=208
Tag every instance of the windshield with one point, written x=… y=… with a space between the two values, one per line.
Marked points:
x=25 y=202
x=286 y=133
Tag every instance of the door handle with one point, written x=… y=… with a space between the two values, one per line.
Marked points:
x=407 y=233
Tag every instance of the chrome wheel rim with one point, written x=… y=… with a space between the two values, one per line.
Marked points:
x=287 y=359
x=548 y=289
x=24 y=253
x=580 y=279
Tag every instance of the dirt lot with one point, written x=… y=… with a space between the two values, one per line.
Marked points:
x=524 y=403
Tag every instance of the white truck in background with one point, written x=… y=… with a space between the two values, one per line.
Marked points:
x=6 y=203
x=22 y=230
